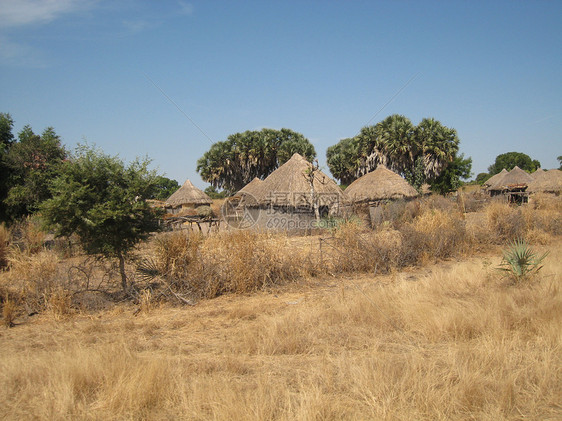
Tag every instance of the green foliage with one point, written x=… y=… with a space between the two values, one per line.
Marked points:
x=520 y=261
x=235 y=162
x=560 y=162
x=511 y=159
x=103 y=202
x=450 y=178
x=213 y=193
x=31 y=162
x=164 y=187
x=343 y=160
x=6 y=141
x=482 y=177
x=419 y=153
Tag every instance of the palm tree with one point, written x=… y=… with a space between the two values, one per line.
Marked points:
x=439 y=145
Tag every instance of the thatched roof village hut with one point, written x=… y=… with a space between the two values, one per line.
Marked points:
x=376 y=188
x=287 y=195
x=380 y=185
x=513 y=185
x=547 y=182
x=187 y=197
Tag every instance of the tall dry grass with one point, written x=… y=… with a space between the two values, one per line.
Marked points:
x=446 y=342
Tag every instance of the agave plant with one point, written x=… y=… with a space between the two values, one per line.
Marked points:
x=520 y=261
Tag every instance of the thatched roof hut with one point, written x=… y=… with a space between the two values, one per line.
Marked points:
x=251 y=187
x=380 y=184
x=515 y=177
x=289 y=186
x=188 y=196
x=547 y=182
x=494 y=179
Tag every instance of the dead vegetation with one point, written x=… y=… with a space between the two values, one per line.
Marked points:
x=442 y=342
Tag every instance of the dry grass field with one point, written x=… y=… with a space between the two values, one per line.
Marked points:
x=432 y=335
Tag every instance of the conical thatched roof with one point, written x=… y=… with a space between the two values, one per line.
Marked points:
x=188 y=194
x=289 y=185
x=494 y=179
x=547 y=182
x=251 y=187
x=515 y=177
x=380 y=184
x=538 y=173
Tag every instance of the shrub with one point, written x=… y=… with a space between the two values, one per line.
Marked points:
x=4 y=241
x=505 y=222
x=520 y=261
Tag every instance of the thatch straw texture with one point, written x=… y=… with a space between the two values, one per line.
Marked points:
x=538 y=173
x=251 y=187
x=494 y=179
x=515 y=177
x=380 y=184
x=188 y=195
x=547 y=182
x=289 y=186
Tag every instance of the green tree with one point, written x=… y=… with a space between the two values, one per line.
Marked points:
x=449 y=179
x=560 y=162
x=31 y=162
x=511 y=159
x=164 y=187
x=103 y=202
x=233 y=163
x=343 y=160
x=482 y=177
x=6 y=141
x=419 y=153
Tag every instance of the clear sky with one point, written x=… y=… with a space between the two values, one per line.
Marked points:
x=96 y=70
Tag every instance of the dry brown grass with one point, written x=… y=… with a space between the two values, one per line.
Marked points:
x=448 y=341
x=4 y=241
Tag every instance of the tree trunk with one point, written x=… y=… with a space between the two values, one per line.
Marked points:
x=122 y=271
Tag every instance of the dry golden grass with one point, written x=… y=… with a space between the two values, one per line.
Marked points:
x=448 y=341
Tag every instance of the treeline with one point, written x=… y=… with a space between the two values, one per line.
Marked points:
x=29 y=163
x=426 y=153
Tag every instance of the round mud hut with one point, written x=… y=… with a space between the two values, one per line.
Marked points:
x=186 y=198
x=291 y=195
x=513 y=186
x=376 y=188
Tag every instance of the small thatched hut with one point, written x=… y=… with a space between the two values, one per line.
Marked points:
x=187 y=197
x=537 y=173
x=513 y=185
x=291 y=194
x=494 y=179
x=376 y=188
x=380 y=185
x=547 y=182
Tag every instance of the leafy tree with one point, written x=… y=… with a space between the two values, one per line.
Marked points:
x=511 y=159
x=6 y=141
x=103 y=202
x=449 y=179
x=164 y=187
x=560 y=162
x=31 y=162
x=213 y=193
x=233 y=163
x=482 y=177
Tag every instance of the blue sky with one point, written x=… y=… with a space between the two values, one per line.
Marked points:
x=491 y=70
